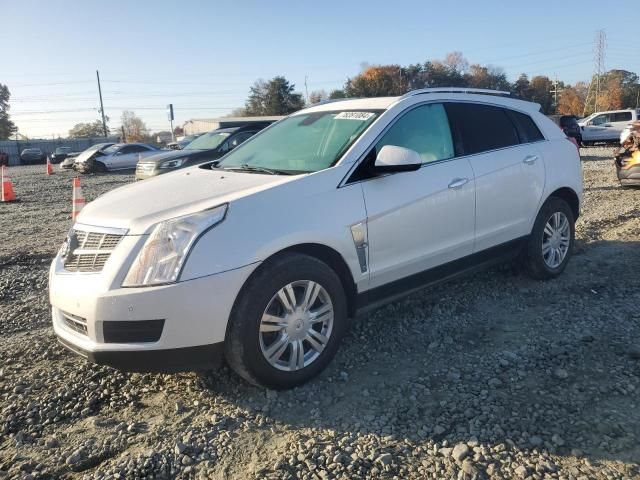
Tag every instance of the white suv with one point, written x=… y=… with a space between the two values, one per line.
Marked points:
x=263 y=256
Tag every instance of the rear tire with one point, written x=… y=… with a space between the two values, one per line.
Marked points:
x=269 y=340
x=551 y=241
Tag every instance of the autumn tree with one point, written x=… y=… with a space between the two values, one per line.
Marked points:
x=273 y=97
x=7 y=127
x=489 y=77
x=377 y=81
x=336 y=94
x=571 y=101
x=87 y=130
x=133 y=127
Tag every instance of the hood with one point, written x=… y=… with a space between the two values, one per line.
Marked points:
x=140 y=205
x=84 y=156
x=158 y=158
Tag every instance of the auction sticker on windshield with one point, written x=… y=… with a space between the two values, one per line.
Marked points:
x=354 y=115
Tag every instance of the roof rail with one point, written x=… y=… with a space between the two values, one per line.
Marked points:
x=484 y=91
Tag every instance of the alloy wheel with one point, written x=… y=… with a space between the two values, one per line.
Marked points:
x=296 y=325
x=556 y=239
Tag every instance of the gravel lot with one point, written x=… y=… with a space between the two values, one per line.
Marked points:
x=494 y=376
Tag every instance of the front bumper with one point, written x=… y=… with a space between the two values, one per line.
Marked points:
x=203 y=357
x=165 y=328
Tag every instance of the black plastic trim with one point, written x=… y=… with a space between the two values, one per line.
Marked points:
x=202 y=357
x=137 y=331
x=390 y=292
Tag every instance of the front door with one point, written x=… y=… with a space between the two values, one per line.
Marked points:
x=425 y=218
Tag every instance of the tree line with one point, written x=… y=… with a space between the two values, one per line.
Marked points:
x=277 y=96
x=618 y=88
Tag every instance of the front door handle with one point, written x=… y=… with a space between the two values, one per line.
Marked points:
x=458 y=182
x=530 y=159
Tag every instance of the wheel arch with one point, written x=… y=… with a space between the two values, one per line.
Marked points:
x=571 y=197
x=327 y=255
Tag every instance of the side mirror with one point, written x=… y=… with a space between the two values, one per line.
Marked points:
x=397 y=159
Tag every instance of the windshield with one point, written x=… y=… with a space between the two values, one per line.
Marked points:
x=303 y=143
x=208 y=141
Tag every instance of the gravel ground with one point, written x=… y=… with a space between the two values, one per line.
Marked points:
x=494 y=376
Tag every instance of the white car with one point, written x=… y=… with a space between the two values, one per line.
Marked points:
x=263 y=256
x=606 y=126
x=119 y=156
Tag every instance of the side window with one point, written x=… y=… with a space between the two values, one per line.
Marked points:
x=424 y=129
x=621 y=117
x=600 y=119
x=238 y=139
x=480 y=128
x=528 y=131
x=127 y=149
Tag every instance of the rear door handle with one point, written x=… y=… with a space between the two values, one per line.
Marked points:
x=530 y=159
x=458 y=182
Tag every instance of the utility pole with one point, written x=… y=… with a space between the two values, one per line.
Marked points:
x=170 y=116
x=306 y=90
x=555 y=93
x=104 y=122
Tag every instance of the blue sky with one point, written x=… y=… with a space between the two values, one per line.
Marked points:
x=202 y=56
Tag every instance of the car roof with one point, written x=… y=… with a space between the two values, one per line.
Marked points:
x=495 y=97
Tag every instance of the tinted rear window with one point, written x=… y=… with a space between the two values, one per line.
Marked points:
x=621 y=117
x=528 y=131
x=479 y=128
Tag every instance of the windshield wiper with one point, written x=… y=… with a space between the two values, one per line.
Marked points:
x=252 y=168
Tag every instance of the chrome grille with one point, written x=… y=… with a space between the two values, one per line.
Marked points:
x=74 y=322
x=92 y=251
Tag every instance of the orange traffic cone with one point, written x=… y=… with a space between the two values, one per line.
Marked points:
x=7 y=189
x=49 y=166
x=78 y=198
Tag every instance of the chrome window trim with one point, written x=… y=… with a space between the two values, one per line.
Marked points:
x=345 y=180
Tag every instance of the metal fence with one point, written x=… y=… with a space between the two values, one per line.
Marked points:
x=14 y=147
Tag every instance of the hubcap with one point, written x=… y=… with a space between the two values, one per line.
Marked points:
x=296 y=325
x=556 y=239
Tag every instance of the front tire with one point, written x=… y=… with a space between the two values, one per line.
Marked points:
x=551 y=241
x=287 y=322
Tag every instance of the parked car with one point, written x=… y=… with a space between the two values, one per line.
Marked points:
x=60 y=154
x=210 y=146
x=180 y=144
x=32 y=155
x=569 y=125
x=68 y=162
x=606 y=127
x=119 y=156
x=337 y=209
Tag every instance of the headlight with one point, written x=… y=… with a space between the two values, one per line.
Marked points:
x=173 y=163
x=166 y=249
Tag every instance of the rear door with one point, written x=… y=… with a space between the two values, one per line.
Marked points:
x=508 y=169
x=619 y=121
